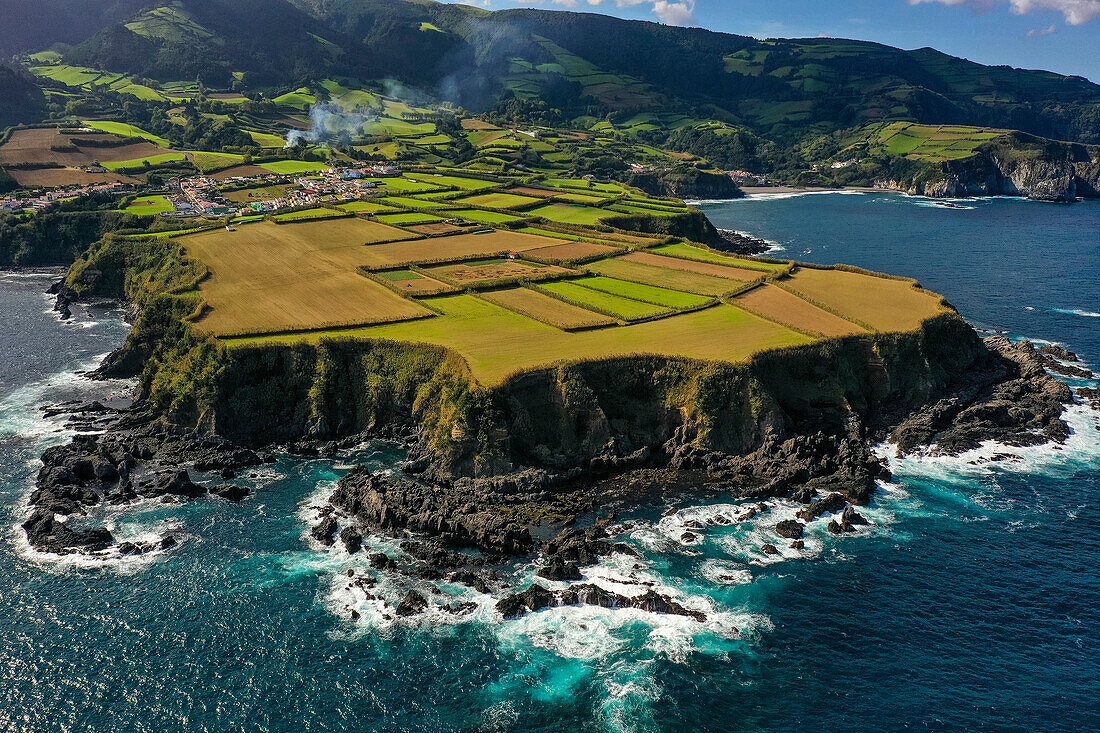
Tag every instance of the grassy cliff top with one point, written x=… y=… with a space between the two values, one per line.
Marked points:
x=509 y=301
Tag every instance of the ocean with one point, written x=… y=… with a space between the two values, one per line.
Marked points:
x=971 y=603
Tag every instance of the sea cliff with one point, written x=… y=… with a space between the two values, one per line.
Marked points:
x=1014 y=165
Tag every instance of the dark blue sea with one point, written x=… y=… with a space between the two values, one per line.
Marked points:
x=972 y=602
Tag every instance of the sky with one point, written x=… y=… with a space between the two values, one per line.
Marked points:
x=1057 y=35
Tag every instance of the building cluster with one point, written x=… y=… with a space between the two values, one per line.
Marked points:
x=42 y=200
x=747 y=178
x=199 y=195
x=838 y=164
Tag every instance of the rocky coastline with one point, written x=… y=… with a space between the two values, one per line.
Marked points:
x=465 y=528
x=741 y=244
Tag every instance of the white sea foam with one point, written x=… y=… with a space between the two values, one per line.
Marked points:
x=20 y=414
x=109 y=559
x=1077 y=312
x=1081 y=449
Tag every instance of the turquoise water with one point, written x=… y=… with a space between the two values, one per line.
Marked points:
x=970 y=604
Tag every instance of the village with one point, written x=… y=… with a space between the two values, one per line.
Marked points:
x=203 y=196
x=40 y=201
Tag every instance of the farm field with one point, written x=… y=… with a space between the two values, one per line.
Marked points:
x=782 y=306
x=387 y=186
x=543 y=308
x=484 y=217
x=363 y=278
x=498 y=200
x=207 y=162
x=290 y=167
x=625 y=308
x=436 y=228
x=125 y=130
x=473 y=272
x=247 y=171
x=268 y=278
x=442 y=249
x=466 y=184
x=568 y=214
x=497 y=343
x=528 y=191
x=54 y=177
x=935 y=143
x=415 y=283
x=884 y=304
x=266 y=140
x=149 y=205
x=571 y=251
x=38 y=146
x=307 y=214
x=414 y=203
x=703 y=268
x=407 y=218
x=645 y=293
x=134 y=163
x=688 y=252
x=688 y=282
x=370 y=207
x=578 y=198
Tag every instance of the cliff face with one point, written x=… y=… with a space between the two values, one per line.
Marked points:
x=568 y=415
x=686 y=182
x=1016 y=165
x=694 y=226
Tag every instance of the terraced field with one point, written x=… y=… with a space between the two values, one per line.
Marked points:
x=935 y=143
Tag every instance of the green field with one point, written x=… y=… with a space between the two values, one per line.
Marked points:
x=625 y=308
x=126 y=130
x=368 y=206
x=207 y=162
x=497 y=342
x=689 y=282
x=407 y=218
x=299 y=99
x=140 y=162
x=291 y=167
x=402 y=185
x=150 y=205
x=934 y=143
x=498 y=201
x=569 y=214
x=468 y=184
x=266 y=140
x=573 y=184
x=307 y=214
x=645 y=293
x=414 y=203
x=484 y=217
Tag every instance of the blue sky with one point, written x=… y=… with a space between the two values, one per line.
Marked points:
x=1059 y=35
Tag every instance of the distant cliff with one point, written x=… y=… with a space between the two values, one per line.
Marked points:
x=1013 y=165
x=686 y=182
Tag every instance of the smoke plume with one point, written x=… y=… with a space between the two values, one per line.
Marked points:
x=330 y=122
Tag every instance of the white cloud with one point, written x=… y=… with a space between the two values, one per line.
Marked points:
x=1076 y=12
x=669 y=12
x=675 y=13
